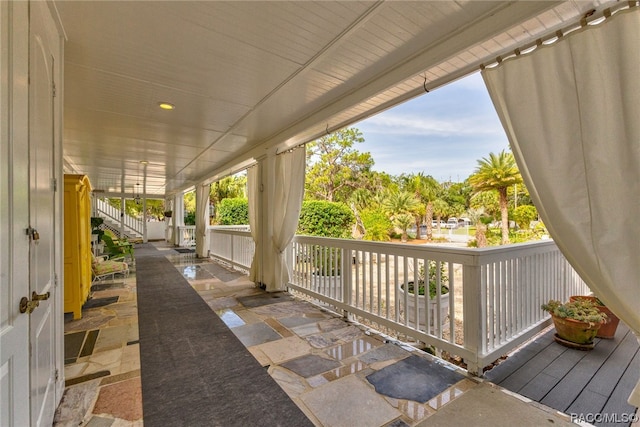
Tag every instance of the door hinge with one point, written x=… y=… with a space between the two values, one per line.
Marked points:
x=55 y=279
x=53 y=88
x=55 y=184
x=57 y=374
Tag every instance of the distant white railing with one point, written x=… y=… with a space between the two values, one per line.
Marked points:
x=233 y=245
x=187 y=236
x=493 y=303
x=131 y=225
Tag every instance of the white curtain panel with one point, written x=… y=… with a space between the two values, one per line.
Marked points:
x=571 y=111
x=253 y=194
x=288 y=194
x=202 y=220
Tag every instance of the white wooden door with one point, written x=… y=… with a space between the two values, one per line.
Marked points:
x=14 y=214
x=41 y=216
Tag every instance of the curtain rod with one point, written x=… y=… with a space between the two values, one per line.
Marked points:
x=589 y=18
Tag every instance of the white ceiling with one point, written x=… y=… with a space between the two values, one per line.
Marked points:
x=248 y=76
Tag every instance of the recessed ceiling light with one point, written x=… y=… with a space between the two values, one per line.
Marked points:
x=144 y=162
x=166 y=106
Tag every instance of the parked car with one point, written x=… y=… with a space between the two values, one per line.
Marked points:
x=434 y=224
x=463 y=222
x=452 y=222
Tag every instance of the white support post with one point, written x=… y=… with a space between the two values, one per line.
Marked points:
x=266 y=168
x=168 y=230
x=144 y=205
x=472 y=315
x=346 y=278
x=178 y=217
x=122 y=211
x=202 y=220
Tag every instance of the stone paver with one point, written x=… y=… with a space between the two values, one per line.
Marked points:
x=349 y=402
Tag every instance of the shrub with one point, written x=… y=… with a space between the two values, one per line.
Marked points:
x=328 y=219
x=377 y=225
x=523 y=215
x=233 y=211
x=190 y=218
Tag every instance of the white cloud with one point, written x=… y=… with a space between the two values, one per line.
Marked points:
x=402 y=124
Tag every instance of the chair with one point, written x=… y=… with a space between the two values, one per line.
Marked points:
x=118 y=249
x=102 y=267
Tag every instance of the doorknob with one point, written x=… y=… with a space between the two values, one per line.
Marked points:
x=27 y=306
x=40 y=297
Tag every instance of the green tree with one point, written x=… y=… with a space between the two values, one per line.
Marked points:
x=155 y=208
x=403 y=222
x=497 y=173
x=440 y=209
x=400 y=202
x=190 y=205
x=478 y=217
x=400 y=205
x=336 y=169
x=377 y=225
x=425 y=189
x=487 y=200
x=230 y=187
x=523 y=215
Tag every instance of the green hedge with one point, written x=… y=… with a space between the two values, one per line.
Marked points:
x=328 y=219
x=233 y=211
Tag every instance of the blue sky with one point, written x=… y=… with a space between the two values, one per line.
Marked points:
x=441 y=133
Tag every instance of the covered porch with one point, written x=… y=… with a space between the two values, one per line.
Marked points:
x=228 y=125
x=335 y=371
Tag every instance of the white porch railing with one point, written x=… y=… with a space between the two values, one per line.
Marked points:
x=233 y=245
x=493 y=303
x=187 y=236
x=112 y=214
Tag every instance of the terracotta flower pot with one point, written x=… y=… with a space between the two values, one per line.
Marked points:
x=574 y=330
x=608 y=329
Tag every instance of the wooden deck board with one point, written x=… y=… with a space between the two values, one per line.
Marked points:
x=574 y=381
x=617 y=403
x=607 y=377
x=539 y=386
x=518 y=359
x=565 y=392
x=533 y=367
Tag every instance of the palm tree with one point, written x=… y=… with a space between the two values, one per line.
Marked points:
x=425 y=188
x=476 y=216
x=400 y=202
x=403 y=222
x=440 y=209
x=497 y=172
x=401 y=205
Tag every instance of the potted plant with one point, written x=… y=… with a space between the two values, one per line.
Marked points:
x=576 y=321
x=97 y=233
x=96 y=222
x=435 y=270
x=325 y=275
x=608 y=329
